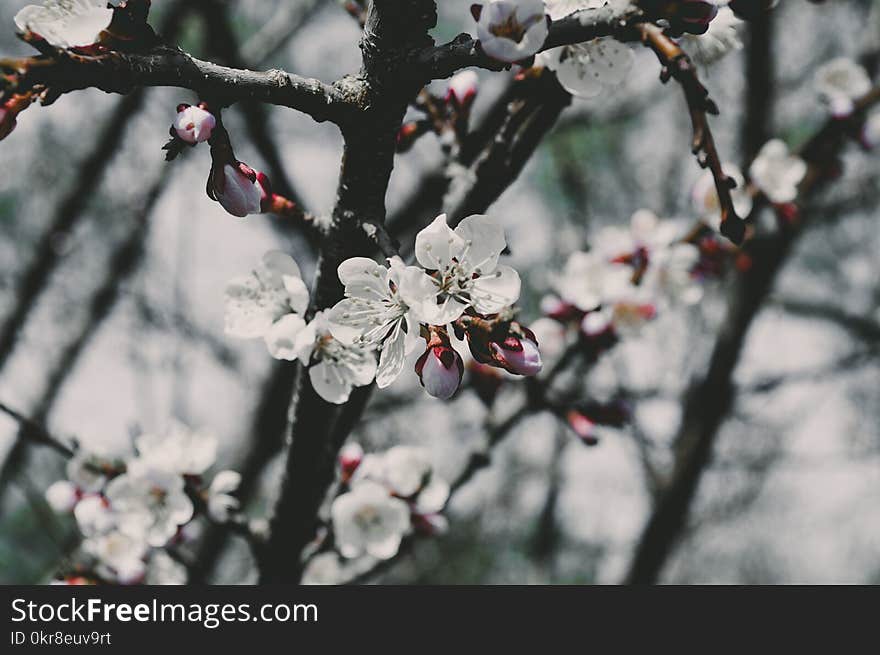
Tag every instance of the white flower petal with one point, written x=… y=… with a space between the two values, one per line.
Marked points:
x=494 y=292
x=281 y=338
x=437 y=244
x=392 y=357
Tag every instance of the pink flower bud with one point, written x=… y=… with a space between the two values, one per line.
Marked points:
x=440 y=369
x=517 y=355
x=238 y=188
x=350 y=458
x=463 y=89
x=9 y=112
x=583 y=427
x=194 y=124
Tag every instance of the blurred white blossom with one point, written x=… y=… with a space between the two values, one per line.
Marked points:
x=777 y=172
x=839 y=83
x=268 y=304
x=369 y=520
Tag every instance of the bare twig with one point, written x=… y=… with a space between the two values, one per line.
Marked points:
x=677 y=65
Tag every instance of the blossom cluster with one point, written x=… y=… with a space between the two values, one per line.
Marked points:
x=386 y=497
x=132 y=512
x=391 y=310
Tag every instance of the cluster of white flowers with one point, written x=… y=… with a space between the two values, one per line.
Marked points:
x=586 y=69
x=387 y=309
x=389 y=495
x=129 y=511
x=621 y=283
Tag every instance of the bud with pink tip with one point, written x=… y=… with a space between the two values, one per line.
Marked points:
x=62 y=496
x=462 y=89
x=239 y=188
x=350 y=458
x=518 y=354
x=583 y=427
x=194 y=124
x=440 y=369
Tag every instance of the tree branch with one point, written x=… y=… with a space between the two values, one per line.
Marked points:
x=164 y=65
x=443 y=61
x=709 y=399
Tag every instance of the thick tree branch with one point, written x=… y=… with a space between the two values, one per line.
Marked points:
x=164 y=65
x=392 y=30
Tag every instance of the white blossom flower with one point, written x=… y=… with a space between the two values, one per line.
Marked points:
x=62 y=496
x=122 y=553
x=589 y=279
x=381 y=308
x=66 y=23
x=368 y=519
x=221 y=502
x=512 y=30
x=777 y=172
x=432 y=498
x=629 y=316
x=178 y=450
x=84 y=470
x=405 y=469
x=162 y=569
x=587 y=69
x=719 y=40
x=149 y=503
x=93 y=515
x=194 y=124
x=839 y=83
x=645 y=234
x=406 y=472
x=468 y=272
x=671 y=274
x=705 y=196
x=334 y=367
x=268 y=304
